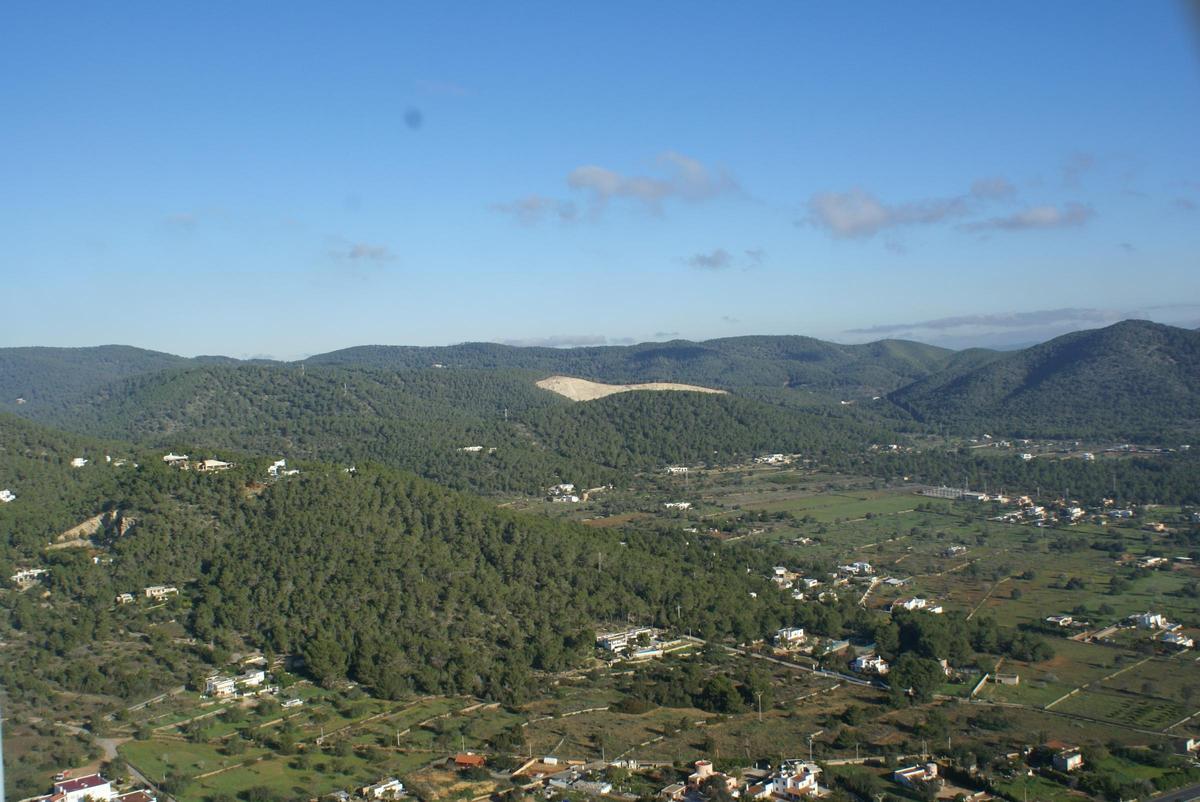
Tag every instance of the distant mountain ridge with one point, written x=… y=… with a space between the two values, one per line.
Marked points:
x=729 y=363
x=1135 y=379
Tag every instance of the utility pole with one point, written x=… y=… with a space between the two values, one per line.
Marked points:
x=759 y=695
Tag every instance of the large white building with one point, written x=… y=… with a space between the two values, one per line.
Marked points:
x=90 y=786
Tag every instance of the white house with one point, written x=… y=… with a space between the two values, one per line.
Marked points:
x=677 y=469
x=1060 y=620
x=90 y=786
x=796 y=779
x=28 y=575
x=1178 y=640
x=913 y=776
x=124 y=598
x=159 y=592
x=870 y=664
x=1149 y=620
x=79 y=462
x=6 y=496
x=252 y=678
x=290 y=703
x=567 y=499
x=678 y=505
x=389 y=788
x=218 y=686
x=560 y=489
x=620 y=641
x=789 y=636
x=910 y=604
x=213 y=465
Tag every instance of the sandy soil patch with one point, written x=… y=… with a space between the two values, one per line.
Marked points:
x=584 y=390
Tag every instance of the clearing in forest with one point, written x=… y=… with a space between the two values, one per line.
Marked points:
x=584 y=390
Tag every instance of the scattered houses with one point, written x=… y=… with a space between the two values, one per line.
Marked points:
x=174 y=460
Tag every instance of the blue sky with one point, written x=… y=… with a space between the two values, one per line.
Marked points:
x=292 y=178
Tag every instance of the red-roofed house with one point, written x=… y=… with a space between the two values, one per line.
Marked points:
x=469 y=760
x=91 y=786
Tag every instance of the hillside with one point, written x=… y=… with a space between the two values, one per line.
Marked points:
x=734 y=363
x=50 y=376
x=422 y=420
x=1135 y=380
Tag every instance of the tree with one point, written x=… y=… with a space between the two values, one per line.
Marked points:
x=920 y=676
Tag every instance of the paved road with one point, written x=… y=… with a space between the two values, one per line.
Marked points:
x=1182 y=795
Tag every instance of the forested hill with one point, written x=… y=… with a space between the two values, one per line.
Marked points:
x=51 y=376
x=421 y=420
x=732 y=363
x=377 y=575
x=1135 y=380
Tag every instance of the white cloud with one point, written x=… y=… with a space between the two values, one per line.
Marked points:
x=1037 y=217
x=680 y=178
x=859 y=214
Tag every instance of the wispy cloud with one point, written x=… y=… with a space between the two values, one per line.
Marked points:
x=442 y=88
x=858 y=213
x=681 y=177
x=1184 y=204
x=363 y=252
x=678 y=177
x=1036 y=217
x=1075 y=167
x=659 y=335
x=718 y=259
x=183 y=220
x=558 y=341
x=721 y=259
x=1011 y=329
x=535 y=208
x=1006 y=320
